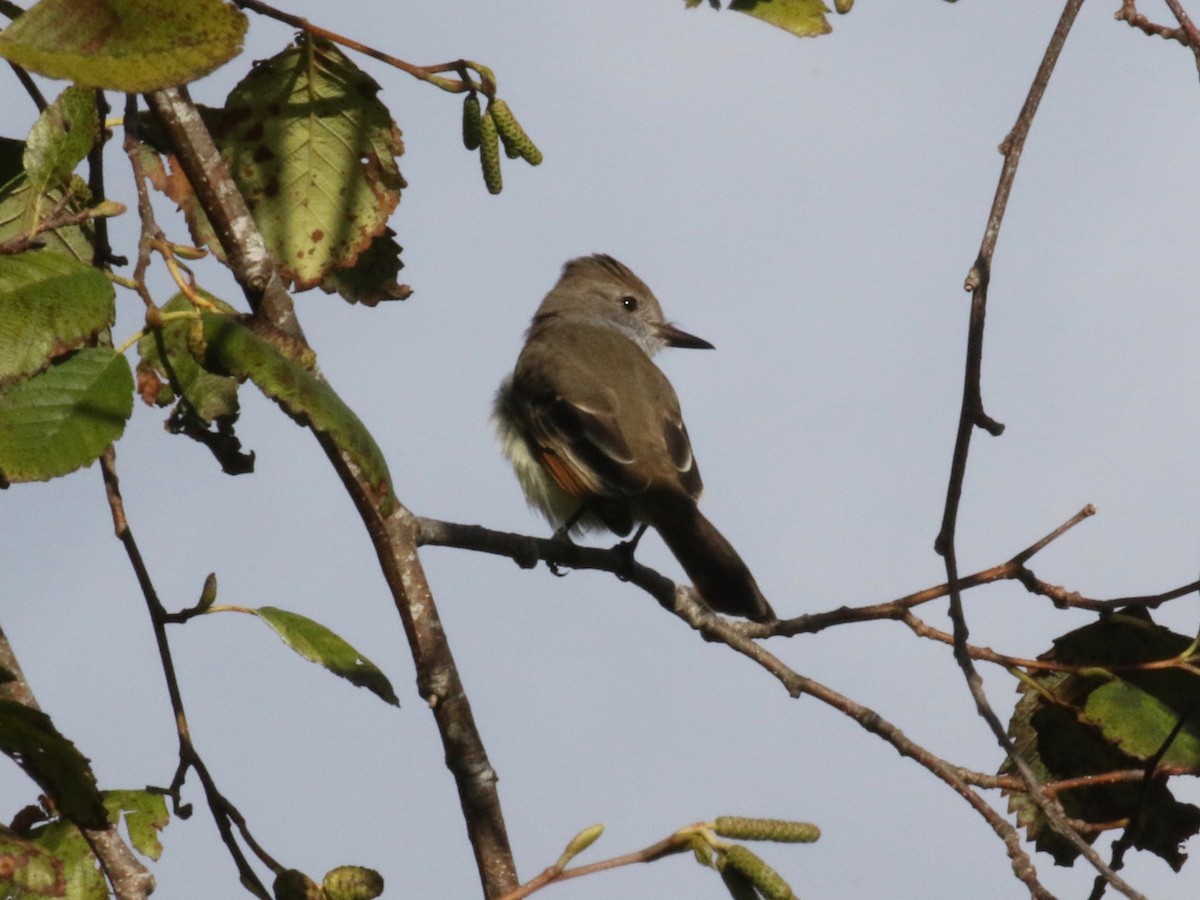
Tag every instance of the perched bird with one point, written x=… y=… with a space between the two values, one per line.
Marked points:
x=594 y=432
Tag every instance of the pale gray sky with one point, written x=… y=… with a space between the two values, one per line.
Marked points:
x=812 y=208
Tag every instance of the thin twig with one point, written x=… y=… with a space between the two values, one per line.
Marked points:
x=1119 y=776
x=972 y=416
x=188 y=757
x=463 y=67
x=527 y=551
x=672 y=844
x=1137 y=819
x=1186 y=26
x=30 y=86
x=739 y=636
x=102 y=252
x=921 y=628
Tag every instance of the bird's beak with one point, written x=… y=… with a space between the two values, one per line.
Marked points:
x=676 y=337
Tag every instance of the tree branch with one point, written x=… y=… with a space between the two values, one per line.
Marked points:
x=683 y=602
x=249 y=259
x=393 y=535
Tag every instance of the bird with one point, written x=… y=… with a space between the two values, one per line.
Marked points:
x=594 y=431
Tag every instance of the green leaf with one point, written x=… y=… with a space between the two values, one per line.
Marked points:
x=30 y=739
x=1109 y=717
x=22 y=209
x=318 y=644
x=63 y=841
x=125 y=45
x=211 y=396
x=35 y=873
x=232 y=348
x=803 y=18
x=145 y=814
x=54 y=860
x=62 y=419
x=49 y=305
x=314 y=153
x=1140 y=723
x=60 y=139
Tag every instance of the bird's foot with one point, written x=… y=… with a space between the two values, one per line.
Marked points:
x=562 y=535
x=625 y=549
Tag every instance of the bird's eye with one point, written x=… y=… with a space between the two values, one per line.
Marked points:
x=629 y=303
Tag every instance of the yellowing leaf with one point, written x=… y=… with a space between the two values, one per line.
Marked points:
x=145 y=814
x=60 y=139
x=125 y=45
x=804 y=18
x=314 y=153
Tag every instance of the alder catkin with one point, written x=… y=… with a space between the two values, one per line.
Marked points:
x=472 y=122
x=352 y=883
x=516 y=141
x=766 y=880
x=292 y=884
x=781 y=830
x=489 y=154
x=739 y=886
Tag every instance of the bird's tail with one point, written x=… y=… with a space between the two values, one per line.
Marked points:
x=717 y=572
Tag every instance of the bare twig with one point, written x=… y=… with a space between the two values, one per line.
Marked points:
x=1129 y=14
x=923 y=629
x=430 y=74
x=102 y=252
x=675 y=843
x=1186 y=34
x=527 y=551
x=61 y=219
x=222 y=809
x=682 y=602
x=30 y=86
x=1186 y=26
x=1137 y=819
x=1120 y=776
x=972 y=416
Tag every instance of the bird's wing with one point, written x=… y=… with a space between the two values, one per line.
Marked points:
x=593 y=440
x=579 y=442
x=679 y=448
